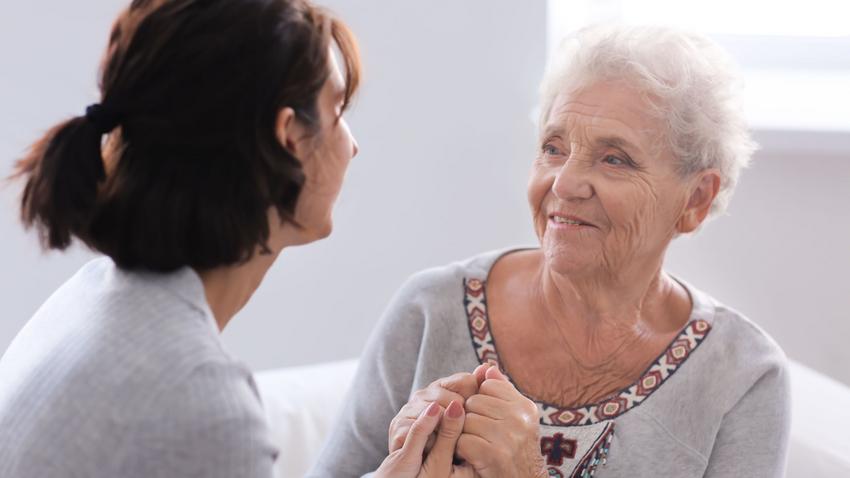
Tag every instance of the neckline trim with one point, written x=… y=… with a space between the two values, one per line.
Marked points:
x=665 y=365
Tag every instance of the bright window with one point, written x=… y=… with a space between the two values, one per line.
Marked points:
x=795 y=55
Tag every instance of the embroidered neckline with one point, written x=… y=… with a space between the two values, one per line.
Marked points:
x=691 y=336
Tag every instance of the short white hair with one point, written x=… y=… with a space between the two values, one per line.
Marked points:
x=689 y=81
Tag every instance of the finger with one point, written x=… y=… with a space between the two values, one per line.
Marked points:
x=483 y=427
x=398 y=432
x=441 y=456
x=420 y=430
x=487 y=406
x=432 y=393
x=479 y=372
x=495 y=374
x=419 y=401
x=464 y=384
x=472 y=449
x=464 y=471
x=499 y=389
x=430 y=443
x=445 y=397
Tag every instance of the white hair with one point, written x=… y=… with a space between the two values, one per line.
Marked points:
x=689 y=81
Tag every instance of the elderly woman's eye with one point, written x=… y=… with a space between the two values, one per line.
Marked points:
x=614 y=161
x=549 y=149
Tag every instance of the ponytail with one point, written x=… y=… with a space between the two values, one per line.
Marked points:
x=63 y=171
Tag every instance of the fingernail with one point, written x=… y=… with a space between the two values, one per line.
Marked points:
x=455 y=410
x=433 y=409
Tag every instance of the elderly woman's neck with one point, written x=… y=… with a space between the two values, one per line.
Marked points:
x=637 y=302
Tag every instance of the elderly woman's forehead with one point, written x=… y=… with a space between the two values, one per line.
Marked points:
x=604 y=106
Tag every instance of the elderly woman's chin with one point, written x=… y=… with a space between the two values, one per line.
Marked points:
x=568 y=257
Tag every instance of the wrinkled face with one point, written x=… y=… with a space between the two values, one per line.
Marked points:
x=330 y=151
x=603 y=191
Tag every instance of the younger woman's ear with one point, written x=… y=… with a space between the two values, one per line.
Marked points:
x=290 y=133
x=706 y=187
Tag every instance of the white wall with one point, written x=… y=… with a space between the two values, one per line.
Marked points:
x=446 y=142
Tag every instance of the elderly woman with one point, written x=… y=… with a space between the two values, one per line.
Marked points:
x=589 y=359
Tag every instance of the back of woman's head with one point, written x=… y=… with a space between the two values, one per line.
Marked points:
x=190 y=90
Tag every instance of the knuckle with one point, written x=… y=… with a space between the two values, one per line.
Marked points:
x=490 y=386
x=399 y=433
x=398 y=423
x=417 y=428
x=444 y=397
x=449 y=432
x=455 y=381
x=397 y=443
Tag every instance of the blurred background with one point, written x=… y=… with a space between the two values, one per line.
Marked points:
x=446 y=135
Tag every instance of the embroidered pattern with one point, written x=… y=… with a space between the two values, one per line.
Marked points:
x=576 y=451
x=555 y=448
x=688 y=340
x=598 y=455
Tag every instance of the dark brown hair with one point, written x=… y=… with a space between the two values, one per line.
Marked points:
x=194 y=87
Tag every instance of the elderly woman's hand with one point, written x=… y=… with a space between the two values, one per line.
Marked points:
x=500 y=435
x=443 y=391
x=407 y=461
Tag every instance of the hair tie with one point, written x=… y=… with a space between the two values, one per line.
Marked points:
x=102 y=117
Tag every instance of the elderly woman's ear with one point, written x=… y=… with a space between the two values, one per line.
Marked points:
x=703 y=191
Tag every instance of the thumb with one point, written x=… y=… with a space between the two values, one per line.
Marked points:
x=441 y=457
x=406 y=462
x=464 y=384
x=495 y=374
x=421 y=429
x=480 y=371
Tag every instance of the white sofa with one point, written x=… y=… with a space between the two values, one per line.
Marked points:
x=302 y=403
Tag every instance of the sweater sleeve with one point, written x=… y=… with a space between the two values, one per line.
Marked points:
x=753 y=436
x=382 y=385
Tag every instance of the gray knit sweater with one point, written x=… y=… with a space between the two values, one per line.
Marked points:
x=123 y=374
x=714 y=404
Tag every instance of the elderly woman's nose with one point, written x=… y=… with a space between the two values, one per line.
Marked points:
x=572 y=181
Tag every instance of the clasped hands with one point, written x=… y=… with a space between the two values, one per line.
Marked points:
x=463 y=426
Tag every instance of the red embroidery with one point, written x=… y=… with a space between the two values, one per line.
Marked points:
x=556 y=448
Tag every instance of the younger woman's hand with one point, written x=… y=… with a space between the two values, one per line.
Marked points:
x=443 y=391
x=407 y=461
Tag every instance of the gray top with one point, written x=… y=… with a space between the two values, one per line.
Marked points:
x=123 y=374
x=714 y=404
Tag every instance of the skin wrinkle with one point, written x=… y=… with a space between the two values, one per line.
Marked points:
x=584 y=316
